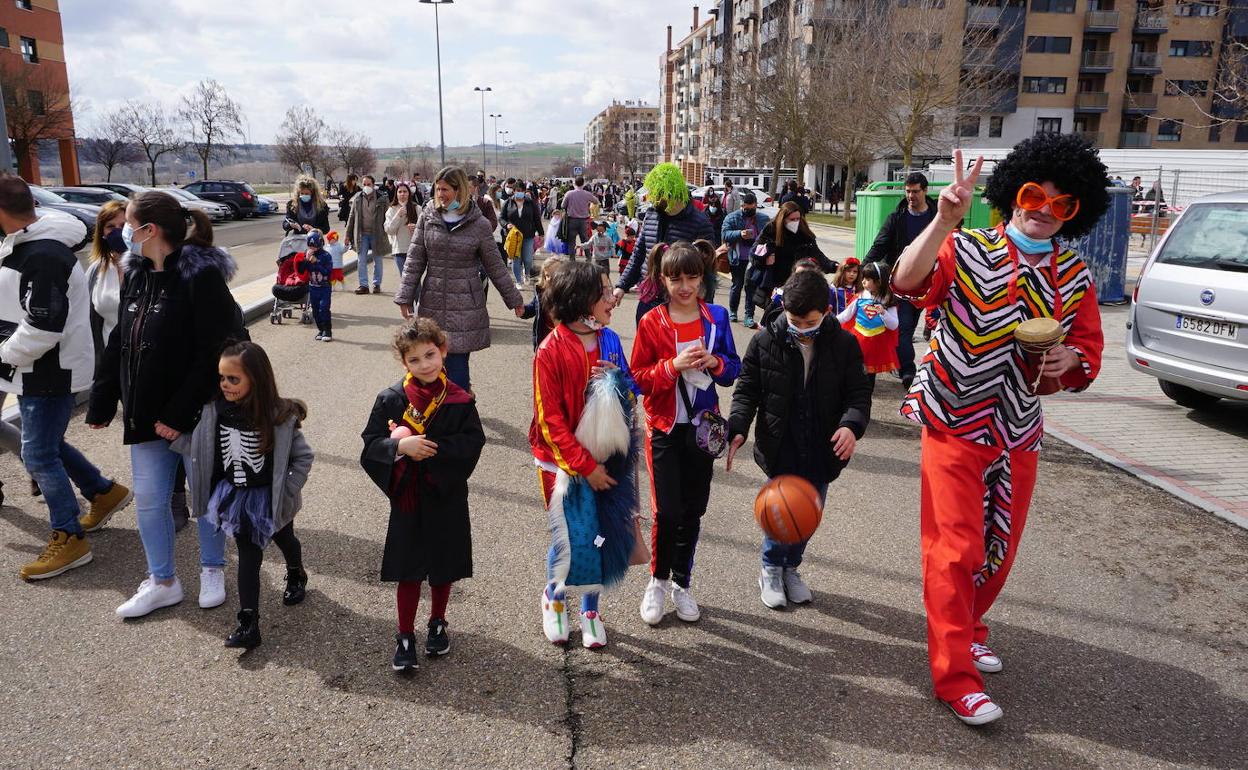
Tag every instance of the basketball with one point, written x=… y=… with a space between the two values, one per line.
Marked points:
x=788 y=509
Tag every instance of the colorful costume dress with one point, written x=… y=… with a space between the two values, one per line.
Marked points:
x=876 y=330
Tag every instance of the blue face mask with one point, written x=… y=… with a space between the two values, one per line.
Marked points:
x=127 y=236
x=116 y=243
x=800 y=335
x=1028 y=245
x=453 y=207
x=518 y=196
x=305 y=198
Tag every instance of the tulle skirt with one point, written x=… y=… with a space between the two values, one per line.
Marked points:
x=229 y=506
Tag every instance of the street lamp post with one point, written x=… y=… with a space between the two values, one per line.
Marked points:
x=482 y=90
x=437 y=35
x=496 y=117
x=506 y=158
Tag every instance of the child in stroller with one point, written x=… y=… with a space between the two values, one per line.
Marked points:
x=290 y=292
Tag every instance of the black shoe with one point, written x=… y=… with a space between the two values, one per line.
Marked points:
x=405 y=657
x=247 y=635
x=906 y=382
x=376 y=290
x=181 y=514
x=296 y=583
x=362 y=290
x=35 y=491
x=437 y=642
x=1 y=493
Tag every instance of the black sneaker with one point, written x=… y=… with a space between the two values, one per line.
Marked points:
x=437 y=643
x=405 y=657
x=296 y=585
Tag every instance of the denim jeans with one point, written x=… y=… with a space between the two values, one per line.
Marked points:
x=53 y=463
x=155 y=466
x=400 y=259
x=524 y=265
x=907 y=319
x=776 y=554
x=364 y=250
x=457 y=369
x=739 y=282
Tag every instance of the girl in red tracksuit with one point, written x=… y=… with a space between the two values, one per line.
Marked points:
x=683 y=349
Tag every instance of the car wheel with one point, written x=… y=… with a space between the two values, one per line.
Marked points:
x=235 y=211
x=1188 y=397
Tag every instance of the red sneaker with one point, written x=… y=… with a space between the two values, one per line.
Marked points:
x=976 y=709
x=985 y=659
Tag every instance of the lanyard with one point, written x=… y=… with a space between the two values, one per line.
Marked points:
x=419 y=420
x=1014 y=257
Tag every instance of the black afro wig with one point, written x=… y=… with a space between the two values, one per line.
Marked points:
x=1070 y=162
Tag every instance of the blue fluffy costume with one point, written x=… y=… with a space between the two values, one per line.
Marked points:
x=592 y=533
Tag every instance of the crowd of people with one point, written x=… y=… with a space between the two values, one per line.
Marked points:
x=152 y=328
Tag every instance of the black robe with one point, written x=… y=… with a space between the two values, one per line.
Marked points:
x=435 y=543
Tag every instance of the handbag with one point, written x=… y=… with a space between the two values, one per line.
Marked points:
x=641 y=552
x=721 y=259
x=710 y=430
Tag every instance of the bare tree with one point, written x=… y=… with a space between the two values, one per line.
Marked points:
x=36 y=108
x=352 y=150
x=108 y=146
x=406 y=160
x=149 y=129
x=299 y=140
x=1223 y=102
x=212 y=118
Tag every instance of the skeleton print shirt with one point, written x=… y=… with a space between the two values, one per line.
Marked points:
x=238 y=457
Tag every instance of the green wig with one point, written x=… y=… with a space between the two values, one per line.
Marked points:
x=666 y=183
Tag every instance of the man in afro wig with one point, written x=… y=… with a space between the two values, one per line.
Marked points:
x=1070 y=162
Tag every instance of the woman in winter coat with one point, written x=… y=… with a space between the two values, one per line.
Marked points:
x=347 y=191
x=161 y=365
x=452 y=242
x=784 y=241
x=401 y=219
x=306 y=210
x=523 y=214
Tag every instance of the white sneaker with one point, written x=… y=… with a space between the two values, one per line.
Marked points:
x=554 y=619
x=653 y=599
x=686 y=608
x=771 y=584
x=795 y=588
x=151 y=596
x=593 y=632
x=985 y=659
x=211 y=587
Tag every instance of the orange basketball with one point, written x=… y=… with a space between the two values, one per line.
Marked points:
x=788 y=509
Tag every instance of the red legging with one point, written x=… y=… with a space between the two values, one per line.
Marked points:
x=408 y=600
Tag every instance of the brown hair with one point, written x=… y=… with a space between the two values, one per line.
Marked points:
x=263 y=408
x=415 y=331
x=154 y=207
x=100 y=252
x=411 y=210
x=777 y=224
x=838 y=280
x=683 y=258
x=15 y=196
x=458 y=180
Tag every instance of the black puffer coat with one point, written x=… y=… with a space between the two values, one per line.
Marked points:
x=161 y=359
x=794 y=247
x=770 y=381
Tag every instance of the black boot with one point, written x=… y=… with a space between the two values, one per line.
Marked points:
x=35 y=491
x=296 y=583
x=247 y=635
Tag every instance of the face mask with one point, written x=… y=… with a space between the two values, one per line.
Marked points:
x=593 y=323
x=305 y=198
x=748 y=212
x=116 y=242
x=368 y=189
x=518 y=196
x=804 y=335
x=453 y=207
x=510 y=190
x=1026 y=244
x=792 y=226
x=127 y=235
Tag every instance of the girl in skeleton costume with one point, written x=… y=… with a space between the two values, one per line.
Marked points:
x=247 y=462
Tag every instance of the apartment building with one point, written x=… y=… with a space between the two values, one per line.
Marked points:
x=32 y=60
x=623 y=138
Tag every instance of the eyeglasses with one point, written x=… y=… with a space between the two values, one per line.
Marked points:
x=1032 y=197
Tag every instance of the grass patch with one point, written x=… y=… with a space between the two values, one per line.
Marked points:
x=836 y=220
x=269 y=189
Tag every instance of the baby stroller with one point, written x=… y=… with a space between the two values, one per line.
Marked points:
x=290 y=292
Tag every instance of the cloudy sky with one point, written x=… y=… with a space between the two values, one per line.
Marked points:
x=552 y=64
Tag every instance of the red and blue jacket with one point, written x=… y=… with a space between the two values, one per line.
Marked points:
x=653 y=351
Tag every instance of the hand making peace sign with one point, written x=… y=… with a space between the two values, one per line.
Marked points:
x=955 y=200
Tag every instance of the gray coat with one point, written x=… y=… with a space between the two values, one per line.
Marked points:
x=292 y=459
x=446 y=263
x=355 y=229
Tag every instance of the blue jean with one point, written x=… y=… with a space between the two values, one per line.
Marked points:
x=319 y=297
x=155 y=466
x=364 y=251
x=788 y=555
x=457 y=369
x=53 y=463
x=907 y=320
x=524 y=265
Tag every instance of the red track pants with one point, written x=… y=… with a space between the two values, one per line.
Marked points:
x=972 y=516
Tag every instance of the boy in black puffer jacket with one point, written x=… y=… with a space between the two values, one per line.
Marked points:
x=802 y=376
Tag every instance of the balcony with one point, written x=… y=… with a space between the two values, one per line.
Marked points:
x=1092 y=101
x=991 y=58
x=1135 y=140
x=1138 y=104
x=1151 y=22
x=983 y=15
x=1097 y=61
x=1145 y=63
x=1097 y=138
x=1101 y=21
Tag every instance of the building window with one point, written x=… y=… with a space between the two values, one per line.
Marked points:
x=1215 y=133
x=35 y=100
x=1241 y=132
x=921 y=3
x=1048 y=125
x=1044 y=85
x=1047 y=44
x=967 y=125
x=995 y=124
x=1170 y=131
x=1196 y=9
x=1191 y=48
x=24 y=5
x=1053 y=6
x=30 y=50
x=4 y=38
x=1187 y=87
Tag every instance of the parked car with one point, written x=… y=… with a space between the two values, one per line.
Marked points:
x=237 y=195
x=1188 y=325
x=265 y=205
x=122 y=188
x=95 y=196
x=84 y=212
x=217 y=212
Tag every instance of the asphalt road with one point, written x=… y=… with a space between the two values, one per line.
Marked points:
x=1123 y=628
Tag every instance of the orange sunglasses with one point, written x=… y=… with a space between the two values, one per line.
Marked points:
x=1032 y=197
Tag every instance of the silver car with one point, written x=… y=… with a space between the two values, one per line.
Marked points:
x=217 y=212
x=1189 y=319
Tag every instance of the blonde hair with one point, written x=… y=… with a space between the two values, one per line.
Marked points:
x=100 y=252
x=551 y=263
x=307 y=182
x=458 y=180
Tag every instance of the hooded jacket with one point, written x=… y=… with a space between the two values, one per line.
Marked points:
x=161 y=359
x=46 y=347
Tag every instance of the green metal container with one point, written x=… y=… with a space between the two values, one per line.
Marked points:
x=881 y=198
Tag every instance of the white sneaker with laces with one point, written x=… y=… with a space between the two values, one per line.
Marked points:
x=771 y=585
x=554 y=618
x=654 y=599
x=593 y=632
x=686 y=607
x=211 y=587
x=150 y=596
x=976 y=709
x=795 y=588
x=985 y=659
